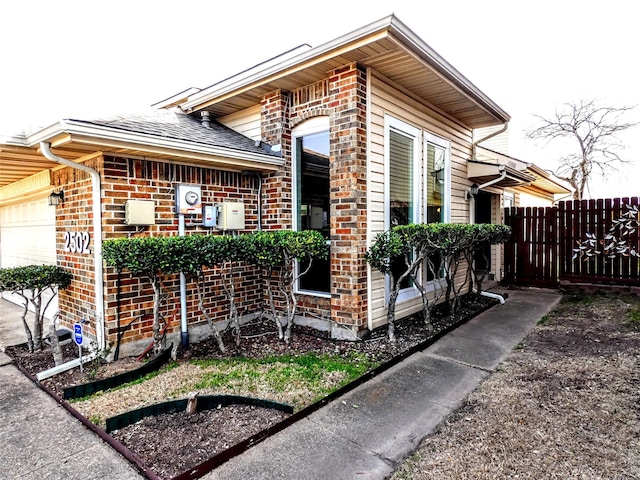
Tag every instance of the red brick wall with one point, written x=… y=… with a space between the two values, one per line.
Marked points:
x=348 y=169
x=275 y=130
x=345 y=104
x=75 y=216
x=131 y=179
x=124 y=179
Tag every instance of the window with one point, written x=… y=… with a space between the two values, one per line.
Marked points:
x=311 y=195
x=402 y=167
x=438 y=179
x=508 y=199
x=418 y=185
x=437 y=190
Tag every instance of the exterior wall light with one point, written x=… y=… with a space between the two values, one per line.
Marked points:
x=473 y=192
x=56 y=198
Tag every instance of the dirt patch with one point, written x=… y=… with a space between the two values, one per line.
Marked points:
x=565 y=404
x=173 y=443
x=195 y=438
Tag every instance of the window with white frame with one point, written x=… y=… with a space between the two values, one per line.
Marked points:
x=402 y=161
x=418 y=173
x=438 y=179
x=509 y=199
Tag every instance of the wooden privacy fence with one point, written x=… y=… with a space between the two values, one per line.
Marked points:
x=541 y=249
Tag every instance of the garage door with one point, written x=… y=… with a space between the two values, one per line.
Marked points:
x=28 y=237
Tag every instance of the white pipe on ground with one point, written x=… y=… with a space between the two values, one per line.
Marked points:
x=493 y=295
x=63 y=367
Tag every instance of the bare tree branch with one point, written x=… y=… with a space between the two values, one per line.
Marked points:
x=595 y=129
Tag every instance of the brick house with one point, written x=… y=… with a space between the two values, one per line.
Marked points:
x=367 y=131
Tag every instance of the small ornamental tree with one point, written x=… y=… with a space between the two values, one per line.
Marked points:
x=454 y=241
x=386 y=247
x=276 y=253
x=414 y=244
x=31 y=283
x=151 y=257
x=434 y=251
x=202 y=252
x=483 y=234
x=459 y=248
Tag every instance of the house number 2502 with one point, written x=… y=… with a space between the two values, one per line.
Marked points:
x=76 y=242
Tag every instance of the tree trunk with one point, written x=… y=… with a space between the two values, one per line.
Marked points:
x=391 y=314
x=233 y=309
x=214 y=330
x=192 y=403
x=56 y=350
x=27 y=330
x=37 y=321
x=272 y=305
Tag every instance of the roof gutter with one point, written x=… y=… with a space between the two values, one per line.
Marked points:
x=97 y=236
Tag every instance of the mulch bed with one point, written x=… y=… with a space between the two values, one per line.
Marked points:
x=173 y=443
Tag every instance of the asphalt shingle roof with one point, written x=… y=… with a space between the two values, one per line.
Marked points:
x=175 y=124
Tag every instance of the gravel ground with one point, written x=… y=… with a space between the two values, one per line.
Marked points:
x=565 y=404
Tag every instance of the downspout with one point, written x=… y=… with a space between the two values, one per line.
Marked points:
x=474 y=145
x=258 y=177
x=502 y=176
x=97 y=237
x=474 y=155
x=500 y=298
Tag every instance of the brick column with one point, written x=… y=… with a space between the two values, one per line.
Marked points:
x=348 y=183
x=277 y=187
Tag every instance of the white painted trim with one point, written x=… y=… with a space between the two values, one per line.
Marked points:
x=432 y=139
x=393 y=124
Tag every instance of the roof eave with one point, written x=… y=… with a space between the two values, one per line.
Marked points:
x=104 y=139
x=388 y=26
x=251 y=76
x=414 y=42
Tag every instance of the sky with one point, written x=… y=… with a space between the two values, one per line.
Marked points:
x=88 y=59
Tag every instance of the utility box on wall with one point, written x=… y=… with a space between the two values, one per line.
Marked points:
x=188 y=199
x=140 y=212
x=231 y=216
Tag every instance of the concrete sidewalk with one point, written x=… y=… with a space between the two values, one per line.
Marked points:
x=370 y=430
x=38 y=437
x=11 y=327
x=363 y=435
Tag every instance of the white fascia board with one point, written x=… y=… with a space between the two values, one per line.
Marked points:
x=408 y=37
x=14 y=140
